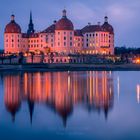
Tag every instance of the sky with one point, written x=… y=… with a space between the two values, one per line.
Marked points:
x=124 y=16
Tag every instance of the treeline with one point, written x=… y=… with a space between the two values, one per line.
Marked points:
x=124 y=50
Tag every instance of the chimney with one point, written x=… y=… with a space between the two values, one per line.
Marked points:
x=89 y=23
x=99 y=23
x=54 y=21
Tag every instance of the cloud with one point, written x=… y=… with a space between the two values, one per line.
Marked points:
x=81 y=12
x=121 y=13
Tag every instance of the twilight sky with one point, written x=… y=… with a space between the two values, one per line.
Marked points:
x=124 y=15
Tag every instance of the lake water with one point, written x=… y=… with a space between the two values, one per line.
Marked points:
x=70 y=105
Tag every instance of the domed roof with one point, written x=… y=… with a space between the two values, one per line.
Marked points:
x=64 y=23
x=106 y=26
x=12 y=27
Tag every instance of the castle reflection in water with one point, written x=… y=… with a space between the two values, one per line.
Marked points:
x=59 y=91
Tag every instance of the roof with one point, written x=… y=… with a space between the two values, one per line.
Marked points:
x=12 y=27
x=106 y=26
x=50 y=29
x=64 y=23
x=92 y=28
x=78 y=33
x=33 y=35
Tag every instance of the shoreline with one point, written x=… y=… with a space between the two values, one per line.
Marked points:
x=70 y=67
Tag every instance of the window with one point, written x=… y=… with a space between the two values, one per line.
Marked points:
x=58 y=43
x=58 y=33
x=70 y=43
x=64 y=38
x=70 y=38
x=64 y=43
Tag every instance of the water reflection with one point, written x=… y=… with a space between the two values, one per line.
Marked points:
x=59 y=91
x=138 y=94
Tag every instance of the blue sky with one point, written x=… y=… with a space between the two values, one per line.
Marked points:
x=124 y=15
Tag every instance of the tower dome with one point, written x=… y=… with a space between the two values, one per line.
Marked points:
x=107 y=27
x=12 y=27
x=64 y=23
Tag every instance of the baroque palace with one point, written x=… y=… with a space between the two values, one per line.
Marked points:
x=60 y=37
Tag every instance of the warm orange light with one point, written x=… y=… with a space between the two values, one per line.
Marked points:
x=138 y=61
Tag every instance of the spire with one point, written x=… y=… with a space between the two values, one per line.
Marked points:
x=31 y=25
x=31 y=21
x=64 y=13
x=31 y=109
x=13 y=116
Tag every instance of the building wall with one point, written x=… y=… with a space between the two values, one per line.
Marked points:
x=78 y=43
x=61 y=41
x=98 y=43
x=64 y=41
x=50 y=39
x=12 y=42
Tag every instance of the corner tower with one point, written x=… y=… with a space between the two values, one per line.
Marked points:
x=64 y=35
x=12 y=37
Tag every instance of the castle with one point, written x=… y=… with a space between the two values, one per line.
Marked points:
x=60 y=37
